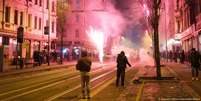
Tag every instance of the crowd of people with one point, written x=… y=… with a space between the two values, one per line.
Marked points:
x=175 y=56
x=192 y=57
x=41 y=57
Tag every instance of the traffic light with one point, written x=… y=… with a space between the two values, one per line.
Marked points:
x=20 y=34
x=46 y=30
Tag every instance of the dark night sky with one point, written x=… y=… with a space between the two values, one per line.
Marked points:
x=133 y=13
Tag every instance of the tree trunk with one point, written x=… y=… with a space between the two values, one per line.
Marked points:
x=156 y=8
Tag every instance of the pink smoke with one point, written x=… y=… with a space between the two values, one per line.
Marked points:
x=105 y=18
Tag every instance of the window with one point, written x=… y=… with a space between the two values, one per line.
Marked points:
x=77 y=18
x=47 y=5
x=36 y=2
x=40 y=2
x=177 y=4
x=77 y=2
x=40 y=23
x=53 y=6
x=35 y=22
x=47 y=23
x=21 y=18
x=16 y=17
x=7 y=14
x=29 y=20
x=77 y=33
x=52 y=27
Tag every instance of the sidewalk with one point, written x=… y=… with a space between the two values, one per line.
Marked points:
x=11 y=69
x=149 y=90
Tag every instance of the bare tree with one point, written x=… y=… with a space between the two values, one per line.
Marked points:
x=153 y=20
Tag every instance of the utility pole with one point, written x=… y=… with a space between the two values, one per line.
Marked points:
x=166 y=48
x=62 y=31
x=3 y=14
x=49 y=24
x=2 y=46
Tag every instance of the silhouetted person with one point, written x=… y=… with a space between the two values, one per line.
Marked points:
x=121 y=66
x=175 y=55
x=170 y=56
x=195 y=63
x=84 y=66
x=182 y=56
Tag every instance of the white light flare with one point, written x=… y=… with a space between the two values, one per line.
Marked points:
x=98 y=39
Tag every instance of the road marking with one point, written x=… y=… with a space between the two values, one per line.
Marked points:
x=70 y=90
x=12 y=91
x=102 y=87
x=62 y=93
x=31 y=91
x=35 y=85
x=189 y=89
x=36 y=75
x=40 y=88
x=139 y=94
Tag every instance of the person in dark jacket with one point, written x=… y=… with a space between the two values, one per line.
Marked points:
x=122 y=61
x=182 y=57
x=195 y=63
x=84 y=66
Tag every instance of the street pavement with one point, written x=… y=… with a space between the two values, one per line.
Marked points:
x=154 y=90
x=179 y=88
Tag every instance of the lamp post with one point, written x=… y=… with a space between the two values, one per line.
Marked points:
x=166 y=48
x=62 y=30
x=49 y=24
x=2 y=46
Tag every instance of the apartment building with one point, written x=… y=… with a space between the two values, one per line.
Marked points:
x=33 y=16
x=187 y=13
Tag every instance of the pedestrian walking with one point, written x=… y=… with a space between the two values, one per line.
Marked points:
x=182 y=56
x=84 y=66
x=122 y=61
x=195 y=63
x=170 y=56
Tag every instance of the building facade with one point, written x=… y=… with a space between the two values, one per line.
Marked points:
x=187 y=13
x=75 y=36
x=166 y=26
x=33 y=16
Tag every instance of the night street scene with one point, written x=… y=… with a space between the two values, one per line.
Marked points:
x=100 y=50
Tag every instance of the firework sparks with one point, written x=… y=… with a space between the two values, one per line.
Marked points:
x=98 y=39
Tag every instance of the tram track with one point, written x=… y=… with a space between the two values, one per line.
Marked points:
x=39 y=86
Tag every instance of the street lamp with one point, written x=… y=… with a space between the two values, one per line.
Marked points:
x=49 y=24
